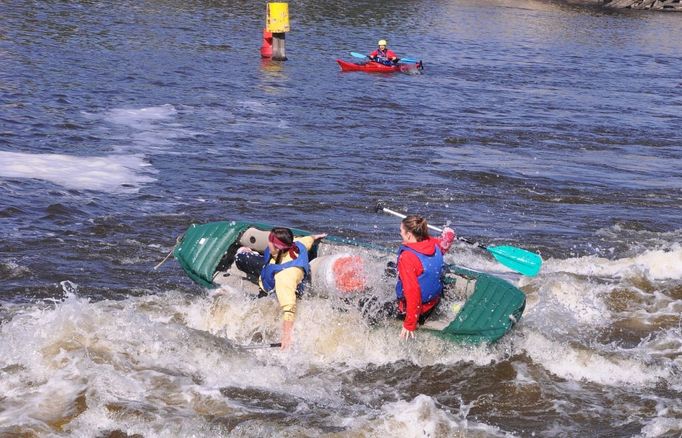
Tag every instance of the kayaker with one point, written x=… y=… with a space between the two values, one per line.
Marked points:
x=281 y=269
x=420 y=268
x=383 y=54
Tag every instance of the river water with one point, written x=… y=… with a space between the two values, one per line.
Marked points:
x=537 y=124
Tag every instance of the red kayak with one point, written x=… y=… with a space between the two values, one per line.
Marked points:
x=377 y=67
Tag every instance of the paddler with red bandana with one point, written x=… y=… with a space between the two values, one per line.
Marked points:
x=285 y=264
x=420 y=270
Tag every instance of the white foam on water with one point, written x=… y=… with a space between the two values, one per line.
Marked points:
x=656 y=264
x=574 y=363
x=523 y=375
x=641 y=240
x=111 y=173
x=665 y=348
x=141 y=118
x=129 y=357
x=421 y=417
x=11 y=269
x=144 y=130
x=258 y=114
x=323 y=334
x=160 y=365
x=666 y=422
x=568 y=313
x=565 y=303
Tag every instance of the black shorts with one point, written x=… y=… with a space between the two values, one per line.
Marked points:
x=251 y=263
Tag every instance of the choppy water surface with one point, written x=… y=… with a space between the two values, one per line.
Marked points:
x=550 y=127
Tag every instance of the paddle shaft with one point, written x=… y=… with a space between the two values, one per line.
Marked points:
x=260 y=346
x=440 y=230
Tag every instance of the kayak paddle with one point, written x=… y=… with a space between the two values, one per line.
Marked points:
x=520 y=260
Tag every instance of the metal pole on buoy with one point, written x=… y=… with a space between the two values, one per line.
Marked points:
x=276 y=24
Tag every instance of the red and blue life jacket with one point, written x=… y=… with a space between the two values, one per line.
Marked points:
x=430 y=282
x=383 y=56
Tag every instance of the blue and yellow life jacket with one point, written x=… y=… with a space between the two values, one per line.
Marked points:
x=267 y=275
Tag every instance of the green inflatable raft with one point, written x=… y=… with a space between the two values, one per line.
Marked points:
x=477 y=307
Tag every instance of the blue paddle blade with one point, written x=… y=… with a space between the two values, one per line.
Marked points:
x=410 y=60
x=526 y=262
x=358 y=55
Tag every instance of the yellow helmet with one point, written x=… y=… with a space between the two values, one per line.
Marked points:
x=382 y=43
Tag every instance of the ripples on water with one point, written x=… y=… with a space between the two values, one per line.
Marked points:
x=547 y=126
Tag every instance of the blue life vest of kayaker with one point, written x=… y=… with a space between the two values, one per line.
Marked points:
x=267 y=275
x=430 y=280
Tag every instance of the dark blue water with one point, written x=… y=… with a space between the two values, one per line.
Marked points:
x=547 y=126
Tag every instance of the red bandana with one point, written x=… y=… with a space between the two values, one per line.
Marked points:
x=281 y=246
x=277 y=243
